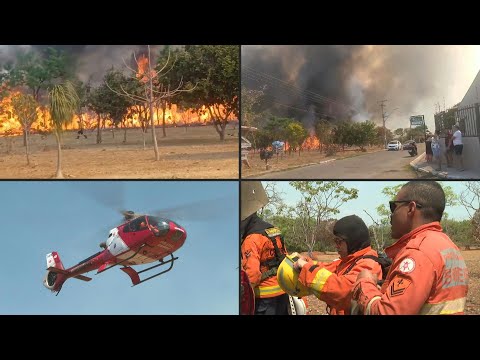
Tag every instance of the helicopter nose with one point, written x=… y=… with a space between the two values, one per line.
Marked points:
x=178 y=232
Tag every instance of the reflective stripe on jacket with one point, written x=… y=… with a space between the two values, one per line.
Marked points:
x=256 y=250
x=428 y=276
x=330 y=283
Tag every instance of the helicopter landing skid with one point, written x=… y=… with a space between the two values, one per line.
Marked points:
x=135 y=276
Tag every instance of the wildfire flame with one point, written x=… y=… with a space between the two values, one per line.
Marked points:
x=9 y=125
x=143 y=69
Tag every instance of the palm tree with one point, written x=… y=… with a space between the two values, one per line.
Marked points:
x=63 y=104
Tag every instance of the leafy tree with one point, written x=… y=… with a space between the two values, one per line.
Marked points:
x=323 y=131
x=250 y=100
x=320 y=200
x=470 y=200
x=63 y=104
x=399 y=132
x=37 y=72
x=24 y=108
x=295 y=135
x=215 y=70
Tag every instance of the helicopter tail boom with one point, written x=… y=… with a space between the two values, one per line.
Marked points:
x=56 y=274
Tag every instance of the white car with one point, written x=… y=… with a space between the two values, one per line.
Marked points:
x=394 y=145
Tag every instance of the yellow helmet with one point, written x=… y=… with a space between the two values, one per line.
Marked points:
x=253 y=197
x=287 y=277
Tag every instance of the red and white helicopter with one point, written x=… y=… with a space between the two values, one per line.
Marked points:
x=141 y=239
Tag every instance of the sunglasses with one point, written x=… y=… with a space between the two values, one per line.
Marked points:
x=338 y=241
x=393 y=204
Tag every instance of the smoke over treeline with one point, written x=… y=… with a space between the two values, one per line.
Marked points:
x=350 y=80
x=92 y=61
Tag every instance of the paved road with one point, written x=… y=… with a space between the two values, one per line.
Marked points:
x=379 y=165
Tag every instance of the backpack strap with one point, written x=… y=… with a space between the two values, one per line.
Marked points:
x=273 y=264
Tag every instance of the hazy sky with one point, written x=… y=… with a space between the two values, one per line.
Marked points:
x=370 y=196
x=413 y=78
x=73 y=217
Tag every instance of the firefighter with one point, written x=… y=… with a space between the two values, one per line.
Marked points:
x=332 y=282
x=262 y=250
x=428 y=274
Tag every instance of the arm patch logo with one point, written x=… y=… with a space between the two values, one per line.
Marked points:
x=274 y=231
x=398 y=285
x=407 y=265
x=248 y=253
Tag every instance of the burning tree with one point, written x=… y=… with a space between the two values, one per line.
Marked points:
x=145 y=75
x=63 y=104
x=24 y=108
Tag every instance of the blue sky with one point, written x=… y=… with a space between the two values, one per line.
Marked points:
x=73 y=217
x=370 y=196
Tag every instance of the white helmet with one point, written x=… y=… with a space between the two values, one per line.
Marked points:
x=253 y=198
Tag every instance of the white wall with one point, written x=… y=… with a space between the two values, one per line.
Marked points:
x=473 y=94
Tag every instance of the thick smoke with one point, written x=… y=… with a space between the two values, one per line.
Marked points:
x=356 y=78
x=93 y=61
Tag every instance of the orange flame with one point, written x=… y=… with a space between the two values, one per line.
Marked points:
x=9 y=125
x=143 y=69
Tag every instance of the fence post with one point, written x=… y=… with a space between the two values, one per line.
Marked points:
x=477 y=119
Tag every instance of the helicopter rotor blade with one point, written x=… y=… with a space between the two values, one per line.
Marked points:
x=202 y=210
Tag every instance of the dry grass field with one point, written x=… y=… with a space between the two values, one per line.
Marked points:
x=186 y=153
x=472 y=258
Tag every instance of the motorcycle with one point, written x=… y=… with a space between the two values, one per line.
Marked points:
x=413 y=151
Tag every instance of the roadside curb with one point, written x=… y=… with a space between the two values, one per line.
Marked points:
x=429 y=170
x=291 y=168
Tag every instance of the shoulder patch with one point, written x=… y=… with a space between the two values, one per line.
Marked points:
x=407 y=265
x=398 y=285
x=274 y=231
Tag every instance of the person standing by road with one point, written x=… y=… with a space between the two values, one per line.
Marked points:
x=457 y=141
x=448 y=147
x=437 y=157
x=428 y=275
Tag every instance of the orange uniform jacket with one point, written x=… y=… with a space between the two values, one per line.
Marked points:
x=428 y=276
x=330 y=283
x=256 y=249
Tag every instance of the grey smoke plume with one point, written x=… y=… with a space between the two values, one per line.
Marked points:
x=411 y=77
x=93 y=61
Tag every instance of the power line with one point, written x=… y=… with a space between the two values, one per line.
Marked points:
x=279 y=84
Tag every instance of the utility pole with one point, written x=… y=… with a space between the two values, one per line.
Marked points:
x=382 y=105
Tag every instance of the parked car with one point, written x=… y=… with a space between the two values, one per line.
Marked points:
x=394 y=145
x=408 y=145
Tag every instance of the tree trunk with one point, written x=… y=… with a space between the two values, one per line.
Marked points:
x=154 y=137
x=24 y=137
x=99 y=132
x=27 y=148
x=124 y=133
x=59 y=174
x=164 y=108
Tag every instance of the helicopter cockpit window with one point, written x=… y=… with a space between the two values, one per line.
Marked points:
x=158 y=226
x=137 y=224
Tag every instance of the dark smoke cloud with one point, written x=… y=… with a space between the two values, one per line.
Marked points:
x=412 y=78
x=92 y=60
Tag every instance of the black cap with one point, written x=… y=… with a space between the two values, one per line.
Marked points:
x=354 y=231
